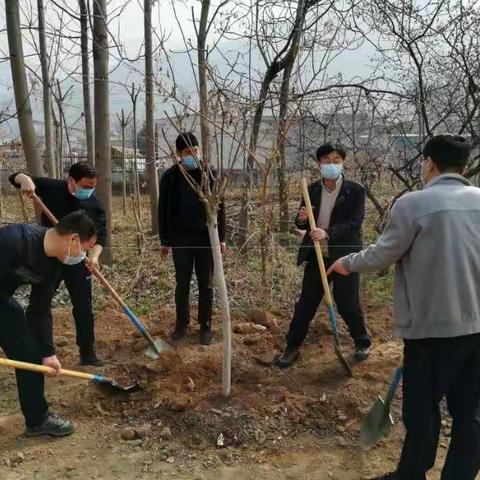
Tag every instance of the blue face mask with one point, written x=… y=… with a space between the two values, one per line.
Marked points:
x=189 y=163
x=74 y=259
x=331 y=171
x=83 y=193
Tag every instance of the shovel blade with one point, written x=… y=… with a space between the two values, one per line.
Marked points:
x=161 y=346
x=343 y=360
x=377 y=423
x=111 y=386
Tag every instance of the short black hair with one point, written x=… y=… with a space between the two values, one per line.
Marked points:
x=330 y=147
x=448 y=152
x=81 y=170
x=76 y=222
x=186 y=140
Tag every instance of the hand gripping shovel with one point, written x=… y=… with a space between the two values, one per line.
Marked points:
x=156 y=346
x=326 y=287
x=378 y=421
x=99 y=380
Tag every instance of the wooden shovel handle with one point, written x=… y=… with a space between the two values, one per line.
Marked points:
x=100 y=277
x=33 y=367
x=316 y=243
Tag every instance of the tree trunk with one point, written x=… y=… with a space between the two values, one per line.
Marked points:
x=152 y=175
x=221 y=284
x=103 y=159
x=20 y=87
x=212 y=203
x=274 y=68
x=1 y=192
x=49 y=162
x=135 y=160
x=124 y=187
x=87 y=106
x=280 y=150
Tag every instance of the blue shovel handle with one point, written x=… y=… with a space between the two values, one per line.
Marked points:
x=333 y=321
x=140 y=327
x=397 y=376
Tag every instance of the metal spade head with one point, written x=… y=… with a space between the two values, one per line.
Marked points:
x=161 y=346
x=343 y=360
x=112 y=386
x=377 y=423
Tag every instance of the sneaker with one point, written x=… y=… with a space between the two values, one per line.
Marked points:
x=52 y=425
x=89 y=357
x=205 y=335
x=289 y=356
x=361 y=353
x=179 y=333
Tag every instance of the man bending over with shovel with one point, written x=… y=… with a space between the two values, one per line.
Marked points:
x=339 y=209
x=62 y=197
x=433 y=238
x=31 y=254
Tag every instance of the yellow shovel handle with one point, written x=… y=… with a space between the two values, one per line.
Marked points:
x=33 y=367
x=316 y=243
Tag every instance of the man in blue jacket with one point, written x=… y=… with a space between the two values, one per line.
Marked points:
x=339 y=208
x=433 y=237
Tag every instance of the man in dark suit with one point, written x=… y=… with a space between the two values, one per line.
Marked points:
x=183 y=231
x=339 y=208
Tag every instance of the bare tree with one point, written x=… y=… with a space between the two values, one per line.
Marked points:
x=124 y=121
x=87 y=108
x=211 y=196
x=20 y=86
x=103 y=159
x=152 y=175
x=133 y=93
x=47 y=98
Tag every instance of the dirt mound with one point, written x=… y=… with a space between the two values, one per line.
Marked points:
x=183 y=388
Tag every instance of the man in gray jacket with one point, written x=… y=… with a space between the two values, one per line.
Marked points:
x=433 y=238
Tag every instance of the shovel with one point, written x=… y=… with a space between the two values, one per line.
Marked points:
x=379 y=421
x=157 y=346
x=326 y=287
x=100 y=380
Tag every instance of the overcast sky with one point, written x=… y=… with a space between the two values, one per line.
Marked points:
x=128 y=29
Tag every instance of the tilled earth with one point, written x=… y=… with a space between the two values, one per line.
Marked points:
x=298 y=423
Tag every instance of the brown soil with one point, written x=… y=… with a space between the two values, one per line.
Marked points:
x=299 y=423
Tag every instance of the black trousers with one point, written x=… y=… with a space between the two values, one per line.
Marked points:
x=346 y=293
x=434 y=369
x=196 y=253
x=78 y=281
x=18 y=343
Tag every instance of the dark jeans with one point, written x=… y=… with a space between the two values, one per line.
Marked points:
x=434 y=369
x=346 y=293
x=18 y=344
x=194 y=254
x=78 y=281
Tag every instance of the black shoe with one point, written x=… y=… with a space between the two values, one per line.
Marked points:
x=286 y=359
x=179 y=333
x=52 y=425
x=361 y=353
x=388 y=476
x=89 y=357
x=205 y=335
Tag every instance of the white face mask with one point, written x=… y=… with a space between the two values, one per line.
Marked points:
x=331 y=171
x=74 y=259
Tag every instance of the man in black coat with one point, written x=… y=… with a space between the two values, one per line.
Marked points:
x=34 y=255
x=183 y=230
x=63 y=197
x=339 y=209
